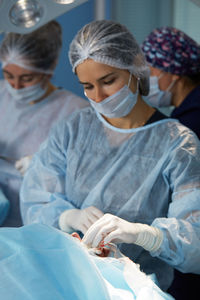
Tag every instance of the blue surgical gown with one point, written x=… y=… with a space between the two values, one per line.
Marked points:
x=23 y=127
x=146 y=175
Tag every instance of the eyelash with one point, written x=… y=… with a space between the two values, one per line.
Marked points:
x=110 y=81
x=106 y=83
x=28 y=79
x=23 y=79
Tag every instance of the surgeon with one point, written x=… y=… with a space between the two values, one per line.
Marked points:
x=29 y=104
x=174 y=60
x=119 y=171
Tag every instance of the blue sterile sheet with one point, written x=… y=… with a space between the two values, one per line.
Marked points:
x=39 y=262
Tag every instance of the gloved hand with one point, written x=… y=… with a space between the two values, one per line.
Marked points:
x=113 y=229
x=79 y=219
x=22 y=164
x=109 y=251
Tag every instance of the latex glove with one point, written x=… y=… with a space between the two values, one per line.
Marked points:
x=22 y=164
x=111 y=228
x=110 y=250
x=79 y=219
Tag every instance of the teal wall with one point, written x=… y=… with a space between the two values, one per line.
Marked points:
x=142 y=16
x=71 y=22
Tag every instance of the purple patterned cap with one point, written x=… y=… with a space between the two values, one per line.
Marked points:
x=173 y=51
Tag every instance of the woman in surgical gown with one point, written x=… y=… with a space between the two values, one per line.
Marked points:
x=119 y=171
x=29 y=104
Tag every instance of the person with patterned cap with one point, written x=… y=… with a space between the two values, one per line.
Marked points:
x=174 y=60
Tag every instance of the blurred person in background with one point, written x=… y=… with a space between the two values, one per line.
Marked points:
x=29 y=104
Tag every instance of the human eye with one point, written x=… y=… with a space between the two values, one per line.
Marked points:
x=27 y=78
x=7 y=75
x=88 y=87
x=109 y=82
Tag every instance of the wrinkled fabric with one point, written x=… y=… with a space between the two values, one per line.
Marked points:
x=148 y=175
x=23 y=128
x=43 y=263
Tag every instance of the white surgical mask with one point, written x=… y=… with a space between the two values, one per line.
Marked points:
x=27 y=94
x=117 y=105
x=157 y=97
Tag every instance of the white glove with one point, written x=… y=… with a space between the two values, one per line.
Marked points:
x=22 y=164
x=79 y=219
x=114 y=229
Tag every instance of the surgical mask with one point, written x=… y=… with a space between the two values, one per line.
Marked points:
x=27 y=94
x=117 y=105
x=157 y=97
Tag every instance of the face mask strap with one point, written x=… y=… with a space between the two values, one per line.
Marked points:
x=129 y=80
x=171 y=85
x=160 y=76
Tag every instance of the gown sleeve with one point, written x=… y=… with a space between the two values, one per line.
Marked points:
x=42 y=195
x=181 y=228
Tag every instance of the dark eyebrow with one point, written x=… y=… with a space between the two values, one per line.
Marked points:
x=102 y=78
x=4 y=71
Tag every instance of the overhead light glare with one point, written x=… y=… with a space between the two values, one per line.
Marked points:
x=26 y=13
x=64 y=1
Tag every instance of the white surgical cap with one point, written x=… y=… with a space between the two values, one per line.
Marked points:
x=37 y=51
x=110 y=43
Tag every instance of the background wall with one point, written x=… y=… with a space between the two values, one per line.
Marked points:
x=187 y=17
x=142 y=16
x=71 y=22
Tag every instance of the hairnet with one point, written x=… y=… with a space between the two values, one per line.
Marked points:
x=173 y=51
x=37 y=51
x=110 y=43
